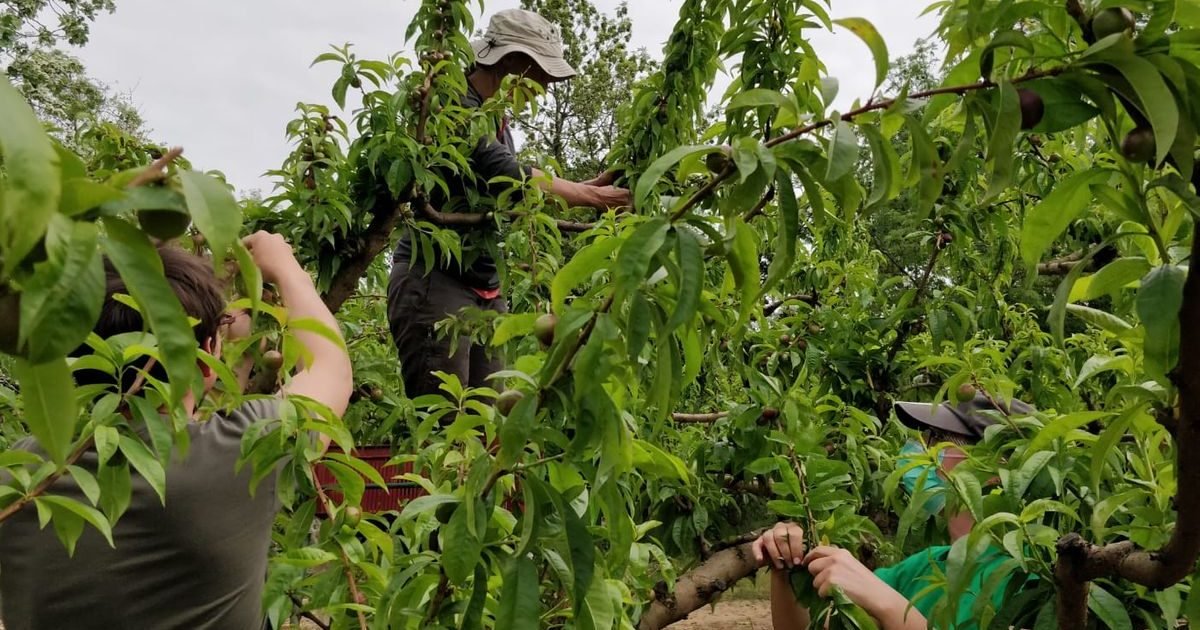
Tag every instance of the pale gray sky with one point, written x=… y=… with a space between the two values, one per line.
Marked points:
x=222 y=77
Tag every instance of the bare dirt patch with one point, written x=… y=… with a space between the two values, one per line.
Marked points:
x=738 y=614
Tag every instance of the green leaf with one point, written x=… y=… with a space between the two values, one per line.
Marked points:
x=1100 y=319
x=812 y=193
x=116 y=491
x=80 y=195
x=649 y=179
x=1058 y=311
x=1157 y=101
x=370 y=473
x=464 y=548
x=1004 y=133
x=867 y=32
x=1108 y=439
x=691 y=280
x=633 y=260
x=1047 y=220
x=1108 y=608
x=146 y=464
x=49 y=396
x=1063 y=104
x=515 y=430
x=1158 y=304
x=348 y=480
x=473 y=617
x=513 y=326
x=214 y=211
x=1115 y=276
x=518 y=607
x=62 y=300
x=758 y=97
x=89 y=514
x=583 y=265
x=1020 y=479
x=743 y=263
x=31 y=185
x=141 y=268
x=885 y=182
x=786 y=233
x=1003 y=39
x=86 y=482
x=843 y=151
x=925 y=172
x=251 y=275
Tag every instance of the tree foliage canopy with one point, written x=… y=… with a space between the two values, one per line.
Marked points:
x=756 y=285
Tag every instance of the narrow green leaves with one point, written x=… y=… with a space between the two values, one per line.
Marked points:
x=32 y=187
x=518 y=607
x=1005 y=127
x=633 y=260
x=1156 y=98
x=787 y=231
x=463 y=546
x=743 y=264
x=843 y=151
x=582 y=266
x=141 y=269
x=63 y=298
x=1158 y=304
x=146 y=464
x=691 y=280
x=649 y=179
x=214 y=210
x=1047 y=220
x=1115 y=276
x=1003 y=39
x=868 y=33
x=50 y=411
x=885 y=181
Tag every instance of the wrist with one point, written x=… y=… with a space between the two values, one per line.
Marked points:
x=889 y=607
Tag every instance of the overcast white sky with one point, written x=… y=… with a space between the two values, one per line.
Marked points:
x=222 y=77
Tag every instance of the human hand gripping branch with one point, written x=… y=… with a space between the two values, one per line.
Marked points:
x=328 y=377
x=782 y=547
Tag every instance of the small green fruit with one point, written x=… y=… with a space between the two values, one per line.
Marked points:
x=543 y=328
x=164 y=224
x=717 y=162
x=1139 y=145
x=965 y=393
x=1111 y=21
x=376 y=394
x=273 y=360
x=1032 y=108
x=352 y=515
x=507 y=400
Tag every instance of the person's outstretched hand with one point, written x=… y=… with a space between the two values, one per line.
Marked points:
x=603 y=179
x=781 y=546
x=273 y=256
x=611 y=197
x=835 y=567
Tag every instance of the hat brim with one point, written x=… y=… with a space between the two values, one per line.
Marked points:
x=924 y=416
x=556 y=67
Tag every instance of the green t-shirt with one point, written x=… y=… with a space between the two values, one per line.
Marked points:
x=914 y=574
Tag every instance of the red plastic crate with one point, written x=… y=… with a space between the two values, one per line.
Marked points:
x=375 y=499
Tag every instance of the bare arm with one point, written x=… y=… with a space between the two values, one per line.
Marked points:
x=328 y=377
x=585 y=195
x=786 y=612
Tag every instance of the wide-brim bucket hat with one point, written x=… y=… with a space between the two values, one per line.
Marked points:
x=968 y=419
x=518 y=30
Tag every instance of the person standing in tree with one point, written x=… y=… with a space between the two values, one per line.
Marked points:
x=199 y=558
x=896 y=596
x=422 y=292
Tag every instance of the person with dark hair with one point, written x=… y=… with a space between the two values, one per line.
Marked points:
x=199 y=558
x=898 y=597
x=421 y=292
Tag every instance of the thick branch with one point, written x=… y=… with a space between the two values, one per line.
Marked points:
x=698 y=418
x=374 y=240
x=699 y=586
x=770 y=309
x=469 y=218
x=1079 y=561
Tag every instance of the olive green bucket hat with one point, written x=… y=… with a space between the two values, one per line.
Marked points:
x=518 y=30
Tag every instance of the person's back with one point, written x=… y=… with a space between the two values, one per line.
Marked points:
x=200 y=560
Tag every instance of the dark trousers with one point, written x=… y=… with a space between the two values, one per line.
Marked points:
x=416 y=301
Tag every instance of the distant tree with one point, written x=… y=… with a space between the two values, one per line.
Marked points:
x=64 y=96
x=577 y=124
x=26 y=24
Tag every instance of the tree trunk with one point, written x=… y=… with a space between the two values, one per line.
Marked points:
x=699 y=586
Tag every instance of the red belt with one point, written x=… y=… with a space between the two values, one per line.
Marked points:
x=487 y=294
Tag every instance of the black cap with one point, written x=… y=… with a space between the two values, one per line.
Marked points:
x=966 y=418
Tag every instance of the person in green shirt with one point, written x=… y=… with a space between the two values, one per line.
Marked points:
x=898 y=597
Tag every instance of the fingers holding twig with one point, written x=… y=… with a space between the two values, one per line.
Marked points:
x=157 y=169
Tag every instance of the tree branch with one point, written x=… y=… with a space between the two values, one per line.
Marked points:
x=699 y=586
x=699 y=418
x=800 y=297
x=1080 y=562
x=374 y=240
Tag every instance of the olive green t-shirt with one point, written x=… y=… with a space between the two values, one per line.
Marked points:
x=914 y=574
x=199 y=562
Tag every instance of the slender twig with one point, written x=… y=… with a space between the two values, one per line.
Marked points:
x=809 y=299
x=304 y=614
x=156 y=170
x=699 y=418
x=729 y=170
x=761 y=205
x=347 y=566
x=472 y=218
